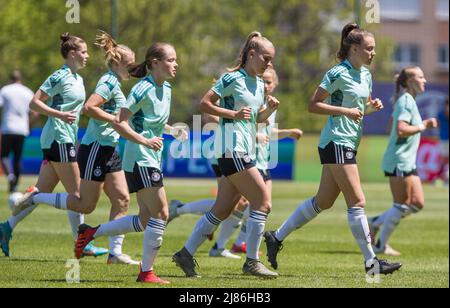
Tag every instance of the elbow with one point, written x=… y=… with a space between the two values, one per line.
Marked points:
x=312 y=107
x=33 y=105
x=86 y=110
x=203 y=107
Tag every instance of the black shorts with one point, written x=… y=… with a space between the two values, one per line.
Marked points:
x=399 y=173
x=216 y=170
x=61 y=153
x=143 y=177
x=337 y=154
x=95 y=161
x=267 y=176
x=12 y=143
x=237 y=163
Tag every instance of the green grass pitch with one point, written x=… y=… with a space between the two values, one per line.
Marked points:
x=323 y=254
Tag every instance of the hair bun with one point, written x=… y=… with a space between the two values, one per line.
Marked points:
x=65 y=37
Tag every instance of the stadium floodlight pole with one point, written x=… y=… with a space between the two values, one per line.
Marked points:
x=114 y=19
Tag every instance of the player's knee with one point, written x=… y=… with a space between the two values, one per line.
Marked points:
x=360 y=203
x=164 y=214
x=123 y=203
x=418 y=203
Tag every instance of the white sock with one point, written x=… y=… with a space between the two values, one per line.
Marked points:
x=204 y=227
x=407 y=210
x=75 y=220
x=196 y=207
x=120 y=226
x=58 y=201
x=227 y=228
x=392 y=219
x=255 y=229
x=14 y=220
x=242 y=237
x=153 y=238
x=357 y=220
x=306 y=212
x=115 y=244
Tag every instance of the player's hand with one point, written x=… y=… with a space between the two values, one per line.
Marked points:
x=243 y=114
x=354 y=113
x=262 y=139
x=374 y=105
x=155 y=143
x=430 y=123
x=180 y=134
x=296 y=133
x=69 y=116
x=272 y=102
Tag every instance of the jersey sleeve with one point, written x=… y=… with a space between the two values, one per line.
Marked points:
x=136 y=99
x=331 y=82
x=104 y=90
x=52 y=85
x=404 y=112
x=223 y=87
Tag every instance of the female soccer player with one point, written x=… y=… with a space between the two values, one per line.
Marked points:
x=99 y=163
x=344 y=95
x=60 y=98
x=399 y=162
x=241 y=94
x=142 y=122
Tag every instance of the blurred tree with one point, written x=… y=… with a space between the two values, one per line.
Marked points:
x=207 y=35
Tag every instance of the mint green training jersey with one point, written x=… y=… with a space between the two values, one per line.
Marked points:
x=109 y=89
x=150 y=106
x=350 y=88
x=238 y=90
x=66 y=93
x=263 y=150
x=401 y=153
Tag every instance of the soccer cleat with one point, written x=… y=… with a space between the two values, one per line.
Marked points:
x=93 y=251
x=274 y=246
x=239 y=248
x=372 y=229
x=121 y=259
x=186 y=262
x=5 y=237
x=85 y=236
x=377 y=266
x=174 y=205
x=225 y=253
x=150 y=277
x=25 y=202
x=386 y=250
x=256 y=268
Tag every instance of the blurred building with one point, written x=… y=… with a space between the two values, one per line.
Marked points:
x=420 y=30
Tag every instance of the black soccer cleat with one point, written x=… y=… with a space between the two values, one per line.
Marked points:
x=377 y=266
x=274 y=246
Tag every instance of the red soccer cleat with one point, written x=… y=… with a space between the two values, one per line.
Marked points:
x=85 y=236
x=239 y=248
x=242 y=249
x=150 y=277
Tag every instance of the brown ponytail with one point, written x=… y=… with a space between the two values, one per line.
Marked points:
x=254 y=41
x=70 y=42
x=351 y=34
x=157 y=51
x=114 y=52
x=401 y=80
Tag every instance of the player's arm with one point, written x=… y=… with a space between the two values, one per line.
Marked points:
x=208 y=105
x=294 y=133
x=265 y=113
x=38 y=105
x=318 y=105
x=120 y=124
x=405 y=130
x=92 y=109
